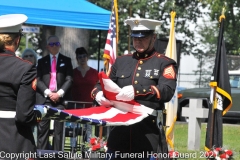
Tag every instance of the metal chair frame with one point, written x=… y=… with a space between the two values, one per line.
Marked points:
x=75 y=128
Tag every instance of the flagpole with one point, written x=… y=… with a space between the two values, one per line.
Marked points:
x=111 y=47
x=172 y=19
x=216 y=76
x=170 y=111
x=117 y=27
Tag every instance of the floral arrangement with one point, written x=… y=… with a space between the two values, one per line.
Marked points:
x=173 y=154
x=96 y=144
x=219 y=154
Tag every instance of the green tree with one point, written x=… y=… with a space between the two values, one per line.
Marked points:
x=34 y=40
x=209 y=36
x=232 y=33
x=187 y=12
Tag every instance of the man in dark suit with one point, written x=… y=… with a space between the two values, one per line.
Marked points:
x=54 y=79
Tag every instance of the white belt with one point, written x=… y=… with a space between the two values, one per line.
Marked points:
x=154 y=113
x=7 y=114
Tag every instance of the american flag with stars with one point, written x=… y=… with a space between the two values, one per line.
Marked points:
x=110 y=50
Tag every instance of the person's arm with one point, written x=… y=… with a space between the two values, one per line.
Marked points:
x=68 y=78
x=26 y=97
x=40 y=84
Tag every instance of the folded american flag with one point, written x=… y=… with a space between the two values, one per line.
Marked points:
x=121 y=113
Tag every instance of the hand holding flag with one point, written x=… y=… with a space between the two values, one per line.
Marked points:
x=126 y=93
x=102 y=100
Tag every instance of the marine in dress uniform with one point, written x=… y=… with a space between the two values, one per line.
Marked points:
x=17 y=93
x=149 y=78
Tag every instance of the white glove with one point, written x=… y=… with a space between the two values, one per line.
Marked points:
x=42 y=109
x=126 y=93
x=102 y=100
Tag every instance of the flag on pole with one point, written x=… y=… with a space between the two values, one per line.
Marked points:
x=110 y=50
x=220 y=98
x=171 y=107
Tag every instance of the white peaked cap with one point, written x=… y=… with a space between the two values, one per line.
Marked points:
x=12 y=23
x=142 y=24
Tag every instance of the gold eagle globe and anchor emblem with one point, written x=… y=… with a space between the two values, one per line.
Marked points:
x=136 y=22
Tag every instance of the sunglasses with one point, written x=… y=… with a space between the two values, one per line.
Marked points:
x=51 y=44
x=82 y=56
x=26 y=56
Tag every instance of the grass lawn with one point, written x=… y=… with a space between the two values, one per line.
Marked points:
x=231 y=140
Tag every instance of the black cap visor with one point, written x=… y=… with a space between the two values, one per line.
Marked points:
x=143 y=33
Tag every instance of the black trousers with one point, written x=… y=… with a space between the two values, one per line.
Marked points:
x=44 y=128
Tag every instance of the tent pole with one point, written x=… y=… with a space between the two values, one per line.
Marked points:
x=99 y=46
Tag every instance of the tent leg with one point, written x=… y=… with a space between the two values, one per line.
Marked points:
x=99 y=46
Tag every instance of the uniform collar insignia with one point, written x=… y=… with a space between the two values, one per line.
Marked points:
x=136 y=22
